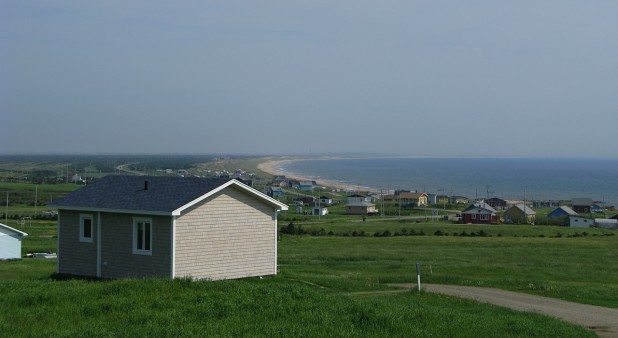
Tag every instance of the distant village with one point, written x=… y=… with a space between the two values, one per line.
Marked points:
x=309 y=198
x=577 y=212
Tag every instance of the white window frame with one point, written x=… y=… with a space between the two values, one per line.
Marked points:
x=82 y=218
x=484 y=217
x=472 y=216
x=145 y=239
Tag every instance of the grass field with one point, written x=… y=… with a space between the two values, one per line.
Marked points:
x=326 y=286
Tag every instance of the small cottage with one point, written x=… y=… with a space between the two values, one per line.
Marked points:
x=10 y=242
x=361 y=208
x=582 y=205
x=478 y=213
x=407 y=198
x=580 y=222
x=326 y=200
x=519 y=214
x=561 y=215
x=136 y=226
x=496 y=203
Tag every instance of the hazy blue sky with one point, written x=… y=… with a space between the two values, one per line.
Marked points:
x=515 y=78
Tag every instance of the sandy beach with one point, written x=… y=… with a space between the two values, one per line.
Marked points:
x=273 y=167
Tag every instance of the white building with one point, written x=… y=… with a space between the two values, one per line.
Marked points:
x=580 y=222
x=10 y=242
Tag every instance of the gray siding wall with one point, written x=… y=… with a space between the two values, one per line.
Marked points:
x=117 y=257
x=229 y=235
x=75 y=257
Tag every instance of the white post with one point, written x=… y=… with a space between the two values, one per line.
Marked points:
x=418 y=276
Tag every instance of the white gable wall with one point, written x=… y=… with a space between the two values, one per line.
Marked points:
x=10 y=244
x=229 y=235
x=580 y=222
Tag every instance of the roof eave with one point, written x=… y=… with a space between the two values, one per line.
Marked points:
x=116 y=211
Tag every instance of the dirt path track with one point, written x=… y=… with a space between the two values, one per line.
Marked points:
x=603 y=321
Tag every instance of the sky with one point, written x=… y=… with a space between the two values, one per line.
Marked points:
x=440 y=78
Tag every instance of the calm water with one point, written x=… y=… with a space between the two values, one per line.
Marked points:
x=506 y=178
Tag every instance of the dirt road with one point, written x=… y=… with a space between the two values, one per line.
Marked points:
x=603 y=321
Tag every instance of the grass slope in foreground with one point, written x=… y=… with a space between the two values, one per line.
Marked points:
x=256 y=308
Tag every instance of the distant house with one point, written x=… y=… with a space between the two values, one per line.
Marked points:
x=496 y=203
x=561 y=215
x=459 y=200
x=361 y=208
x=478 y=213
x=580 y=222
x=165 y=226
x=413 y=199
x=358 y=199
x=582 y=205
x=77 y=179
x=10 y=242
x=319 y=211
x=326 y=200
x=442 y=199
x=274 y=192
x=304 y=200
x=306 y=186
x=519 y=214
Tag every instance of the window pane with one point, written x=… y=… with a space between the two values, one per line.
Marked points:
x=87 y=227
x=147 y=236
x=140 y=236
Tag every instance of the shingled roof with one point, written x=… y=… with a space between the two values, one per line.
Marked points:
x=149 y=194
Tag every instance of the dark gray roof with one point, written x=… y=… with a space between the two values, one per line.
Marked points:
x=582 y=201
x=159 y=194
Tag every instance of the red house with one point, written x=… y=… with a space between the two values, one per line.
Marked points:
x=478 y=213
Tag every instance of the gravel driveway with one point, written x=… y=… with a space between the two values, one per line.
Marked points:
x=603 y=321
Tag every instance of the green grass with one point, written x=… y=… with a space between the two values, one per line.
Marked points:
x=580 y=269
x=256 y=308
x=327 y=285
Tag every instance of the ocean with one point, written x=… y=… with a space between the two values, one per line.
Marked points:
x=506 y=178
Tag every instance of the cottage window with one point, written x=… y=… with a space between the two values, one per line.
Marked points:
x=473 y=216
x=85 y=228
x=142 y=236
x=484 y=217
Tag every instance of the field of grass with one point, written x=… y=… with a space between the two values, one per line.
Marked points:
x=327 y=285
x=250 y=308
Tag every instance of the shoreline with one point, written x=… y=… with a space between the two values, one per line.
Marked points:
x=273 y=167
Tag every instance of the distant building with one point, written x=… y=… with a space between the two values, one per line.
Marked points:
x=562 y=211
x=606 y=223
x=580 y=222
x=413 y=199
x=10 y=242
x=274 y=191
x=357 y=199
x=361 y=208
x=496 y=203
x=478 y=213
x=319 y=211
x=519 y=214
x=326 y=200
x=582 y=205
